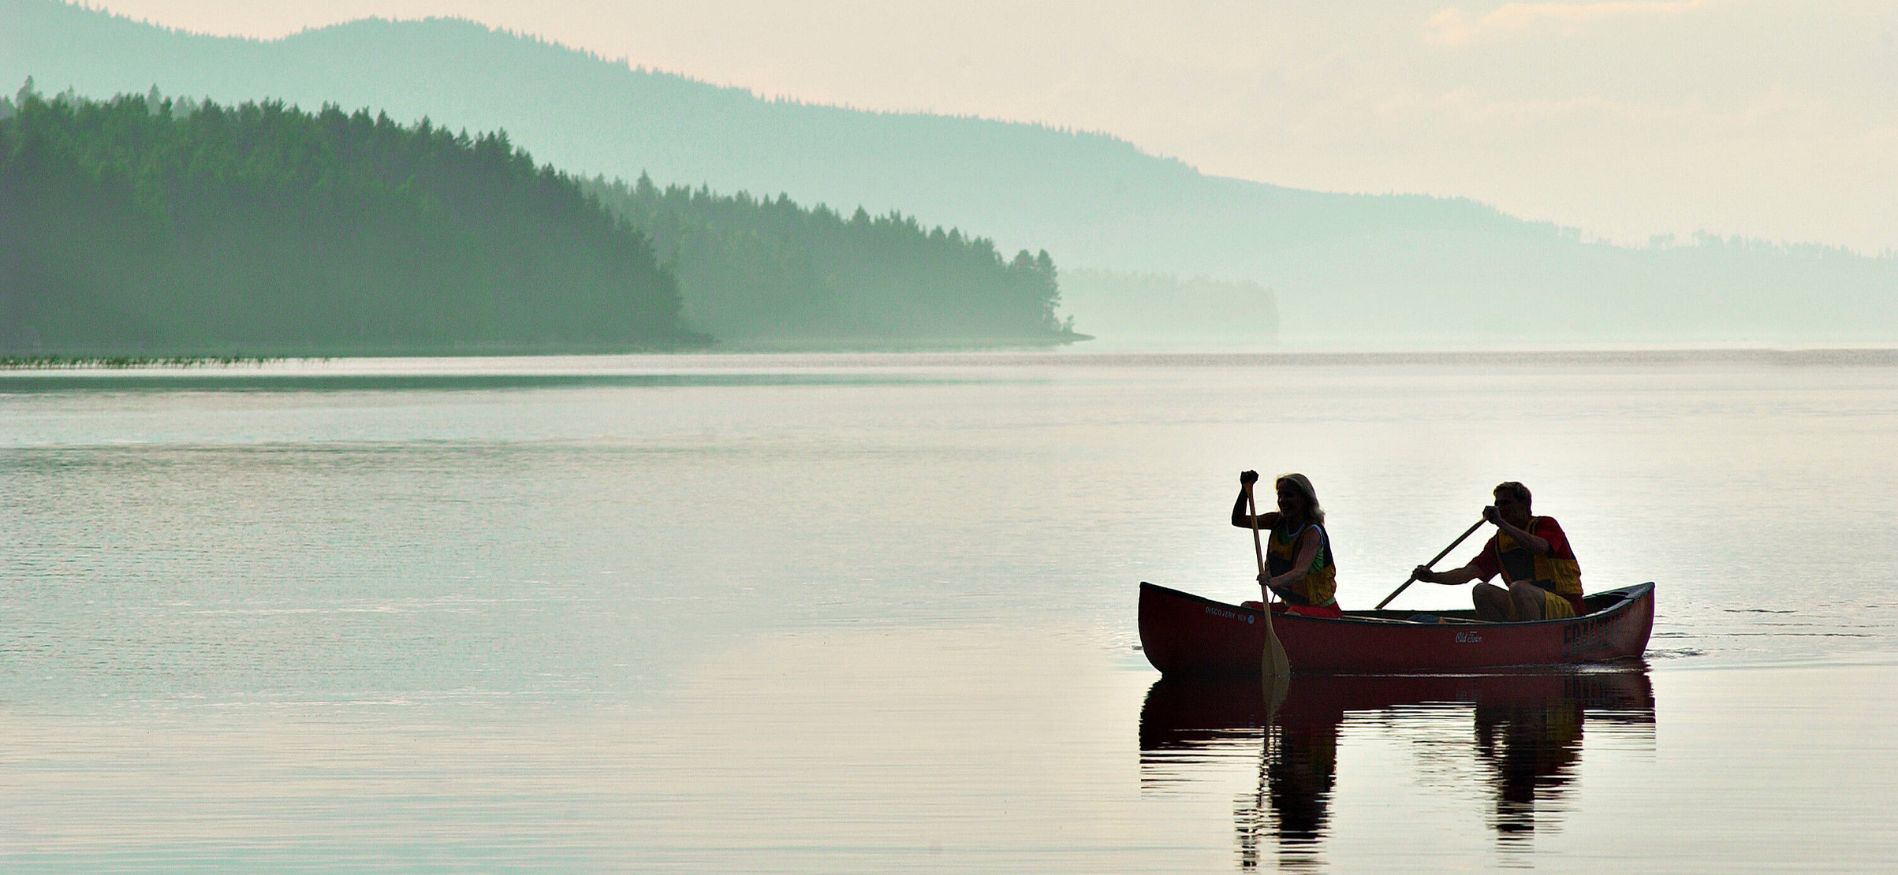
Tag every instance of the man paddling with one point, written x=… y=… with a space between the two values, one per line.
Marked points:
x=1544 y=582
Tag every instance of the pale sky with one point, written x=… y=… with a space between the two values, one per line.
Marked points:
x=1624 y=118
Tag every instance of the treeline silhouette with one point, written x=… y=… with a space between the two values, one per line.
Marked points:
x=143 y=225
x=767 y=270
x=150 y=224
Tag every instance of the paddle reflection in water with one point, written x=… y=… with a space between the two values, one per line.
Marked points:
x=1527 y=730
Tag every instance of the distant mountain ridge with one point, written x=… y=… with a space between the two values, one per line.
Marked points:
x=1347 y=269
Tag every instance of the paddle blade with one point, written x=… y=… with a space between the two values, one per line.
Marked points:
x=1275 y=673
x=1274 y=668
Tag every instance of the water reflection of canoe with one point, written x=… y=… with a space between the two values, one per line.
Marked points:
x=1527 y=733
x=1186 y=712
x=1182 y=633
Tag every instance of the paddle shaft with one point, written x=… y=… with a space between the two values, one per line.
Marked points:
x=1439 y=558
x=1258 y=549
x=1274 y=668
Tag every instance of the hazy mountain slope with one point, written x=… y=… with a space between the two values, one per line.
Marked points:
x=1170 y=312
x=1351 y=269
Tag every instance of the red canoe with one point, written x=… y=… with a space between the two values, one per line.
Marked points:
x=1184 y=634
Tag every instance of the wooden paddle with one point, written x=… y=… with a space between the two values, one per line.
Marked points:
x=1274 y=668
x=1439 y=558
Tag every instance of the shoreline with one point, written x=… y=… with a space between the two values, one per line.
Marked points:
x=117 y=362
x=1054 y=354
x=136 y=362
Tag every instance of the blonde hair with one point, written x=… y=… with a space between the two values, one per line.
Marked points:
x=1300 y=482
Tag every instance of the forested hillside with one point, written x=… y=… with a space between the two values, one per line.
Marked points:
x=766 y=270
x=146 y=225
x=142 y=226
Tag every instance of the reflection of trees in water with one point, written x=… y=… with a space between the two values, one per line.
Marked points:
x=1527 y=732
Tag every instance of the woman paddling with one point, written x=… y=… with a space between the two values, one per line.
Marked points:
x=1298 y=560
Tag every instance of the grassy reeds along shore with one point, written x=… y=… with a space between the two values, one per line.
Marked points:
x=120 y=362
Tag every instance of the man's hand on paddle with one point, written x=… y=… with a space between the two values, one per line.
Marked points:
x=1491 y=516
x=1452 y=577
x=1247 y=478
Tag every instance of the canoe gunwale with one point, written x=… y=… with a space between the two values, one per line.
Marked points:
x=1625 y=598
x=1184 y=633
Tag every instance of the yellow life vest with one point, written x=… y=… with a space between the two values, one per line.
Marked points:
x=1320 y=584
x=1557 y=574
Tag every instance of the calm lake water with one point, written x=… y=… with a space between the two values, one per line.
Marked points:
x=876 y=613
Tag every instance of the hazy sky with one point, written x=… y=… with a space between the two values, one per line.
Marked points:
x=1622 y=117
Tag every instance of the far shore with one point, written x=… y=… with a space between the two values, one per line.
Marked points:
x=128 y=362
x=691 y=346
x=1030 y=351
